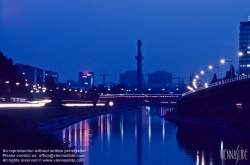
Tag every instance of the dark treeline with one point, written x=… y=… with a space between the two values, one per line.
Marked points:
x=12 y=84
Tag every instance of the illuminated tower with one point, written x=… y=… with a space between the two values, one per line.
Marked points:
x=139 y=68
x=244 y=49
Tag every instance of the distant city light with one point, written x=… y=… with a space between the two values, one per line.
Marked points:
x=210 y=67
x=202 y=72
x=240 y=54
x=17 y=83
x=206 y=85
x=190 y=88
x=222 y=61
x=163 y=89
x=111 y=103
x=196 y=76
x=7 y=82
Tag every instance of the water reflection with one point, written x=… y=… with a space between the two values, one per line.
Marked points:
x=143 y=138
x=207 y=146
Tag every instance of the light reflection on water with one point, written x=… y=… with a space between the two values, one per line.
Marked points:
x=141 y=138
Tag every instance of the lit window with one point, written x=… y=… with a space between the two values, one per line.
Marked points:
x=86 y=83
x=248 y=65
x=248 y=52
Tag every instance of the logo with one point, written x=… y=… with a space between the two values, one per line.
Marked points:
x=238 y=154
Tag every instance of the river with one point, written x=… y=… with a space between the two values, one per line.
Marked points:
x=142 y=137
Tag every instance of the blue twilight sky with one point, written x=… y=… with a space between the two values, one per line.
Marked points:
x=69 y=36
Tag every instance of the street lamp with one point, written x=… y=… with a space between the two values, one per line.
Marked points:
x=222 y=61
x=17 y=84
x=202 y=72
x=243 y=64
x=211 y=67
x=7 y=83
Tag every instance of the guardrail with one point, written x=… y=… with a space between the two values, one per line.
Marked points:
x=219 y=83
x=139 y=95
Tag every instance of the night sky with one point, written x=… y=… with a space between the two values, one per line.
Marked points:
x=69 y=36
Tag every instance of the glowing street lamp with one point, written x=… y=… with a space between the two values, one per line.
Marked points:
x=211 y=67
x=222 y=61
x=240 y=53
x=202 y=72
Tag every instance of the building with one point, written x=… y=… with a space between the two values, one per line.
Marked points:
x=86 y=79
x=244 y=48
x=129 y=78
x=159 y=79
x=55 y=75
x=32 y=75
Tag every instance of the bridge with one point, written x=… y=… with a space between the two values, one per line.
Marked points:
x=141 y=98
x=228 y=97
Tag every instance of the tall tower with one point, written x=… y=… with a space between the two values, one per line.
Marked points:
x=244 y=49
x=139 y=68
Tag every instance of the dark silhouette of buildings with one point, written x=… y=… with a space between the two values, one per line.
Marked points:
x=55 y=76
x=159 y=79
x=244 y=49
x=86 y=79
x=129 y=78
x=32 y=75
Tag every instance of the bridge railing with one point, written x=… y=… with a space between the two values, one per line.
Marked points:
x=139 y=95
x=222 y=82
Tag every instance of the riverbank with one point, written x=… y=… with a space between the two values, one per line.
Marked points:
x=65 y=121
x=50 y=119
x=215 y=125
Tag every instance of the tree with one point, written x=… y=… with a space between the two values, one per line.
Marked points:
x=51 y=89
x=9 y=78
x=94 y=96
x=230 y=73
x=214 y=80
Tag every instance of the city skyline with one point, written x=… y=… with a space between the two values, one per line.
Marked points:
x=68 y=37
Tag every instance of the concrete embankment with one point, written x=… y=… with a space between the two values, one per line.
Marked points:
x=221 y=126
x=65 y=121
x=51 y=119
